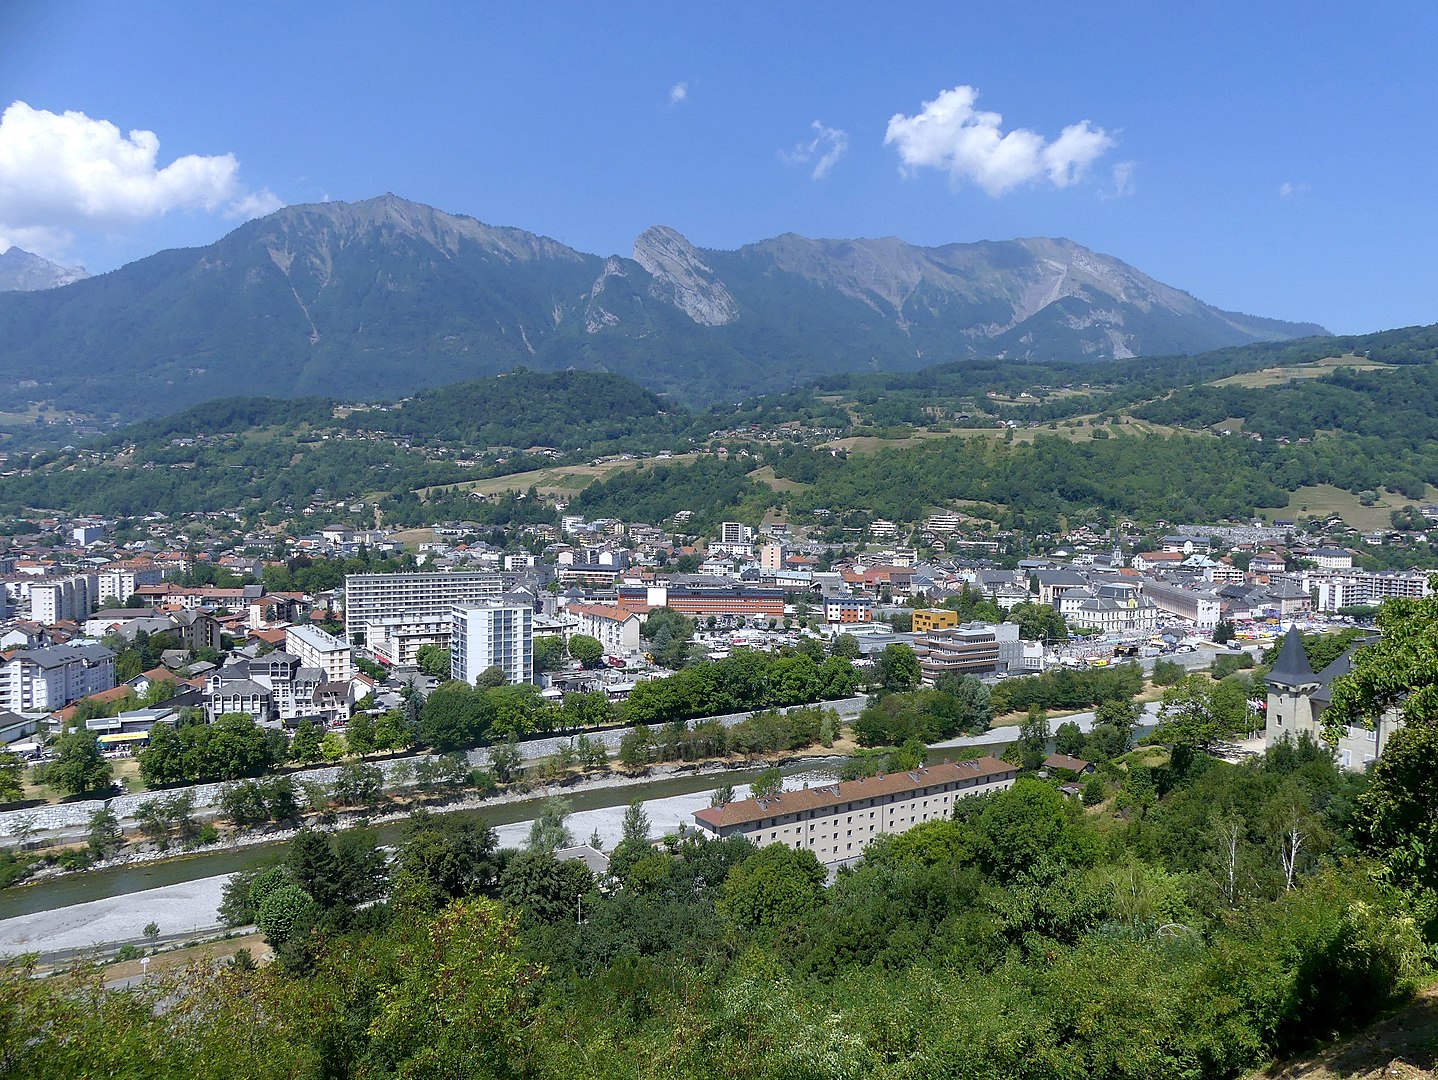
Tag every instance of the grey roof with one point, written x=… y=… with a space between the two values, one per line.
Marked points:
x=1292 y=668
x=58 y=655
x=596 y=860
x=242 y=687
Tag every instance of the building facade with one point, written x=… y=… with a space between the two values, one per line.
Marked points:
x=972 y=649
x=414 y=597
x=492 y=635
x=60 y=599
x=42 y=680
x=613 y=627
x=837 y=821
x=1298 y=697
x=316 y=649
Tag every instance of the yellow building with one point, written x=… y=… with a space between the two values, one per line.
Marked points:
x=927 y=620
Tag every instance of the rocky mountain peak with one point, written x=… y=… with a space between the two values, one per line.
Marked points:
x=24 y=271
x=681 y=277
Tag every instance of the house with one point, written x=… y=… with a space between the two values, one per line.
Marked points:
x=1065 y=763
x=1298 y=696
x=40 y=680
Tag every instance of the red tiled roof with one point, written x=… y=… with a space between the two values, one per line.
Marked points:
x=790 y=802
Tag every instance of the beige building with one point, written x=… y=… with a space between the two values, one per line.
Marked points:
x=836 y=821
x=1298 y=697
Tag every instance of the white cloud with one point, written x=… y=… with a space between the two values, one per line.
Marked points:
x=1122 y=180
x=679 y=93
x=1288 y=189
x=825 y=149
x=970 y=145
x=62 y=172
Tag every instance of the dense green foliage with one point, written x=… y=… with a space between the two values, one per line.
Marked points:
x=1024 y=937
x=234 y=746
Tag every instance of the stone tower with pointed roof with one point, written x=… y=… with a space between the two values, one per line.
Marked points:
x=1298 y=697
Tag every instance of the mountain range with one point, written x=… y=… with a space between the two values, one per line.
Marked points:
x=381 y=297
x=23 y=271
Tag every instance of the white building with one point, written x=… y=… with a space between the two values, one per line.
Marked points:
x=1336 y=589
x=1116 y=607
x=837 y=821
x=55 y=600
x=317 y=649
x=398 y=641
x=616 y=630
x=42 y=680
x=1202 y=608
x=119 y=582
x=492 y=635
x=417 y=597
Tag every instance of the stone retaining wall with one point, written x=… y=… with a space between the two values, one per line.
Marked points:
x=76 y=815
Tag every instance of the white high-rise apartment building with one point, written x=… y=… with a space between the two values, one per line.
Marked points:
x=39 y=680
x=118 y=582
x=414 y=598
x=54 y=600
x=492 y=635
x=316 y=649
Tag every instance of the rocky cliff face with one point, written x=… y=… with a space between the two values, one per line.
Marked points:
x=21 y=271
x=681 y=277
x=386 y=296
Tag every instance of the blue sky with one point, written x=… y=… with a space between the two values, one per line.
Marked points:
x=1276 y=159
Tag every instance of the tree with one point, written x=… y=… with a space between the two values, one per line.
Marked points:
x=845 y=647
x=547 y=889
x=305 y=746
x=669 y=634
x=1223 y=632
x=461 y=1006
x=898 y=668
x=78 y=767
x=1167 y=673
x=12 y=772
x=587 y=650
x=723 y=795
x=443 y=858
x=281 y=911
x=549 y=832
x=392 y=731
x=1069 y=740
x=104 y=836
x=1034 y=732
x=636 y=823
x=548 y=653
x=491 y=677
x=1191 y=718
x=636 y=747
x=1038 y=622
x=974 y=711
x=433 y=660
x=1395 y=815
x=505 y=760
x=767 y=784
x=772 y=888
x=358 y=784
x=360 y=734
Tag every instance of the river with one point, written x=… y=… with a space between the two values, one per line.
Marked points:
x=69 y=889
